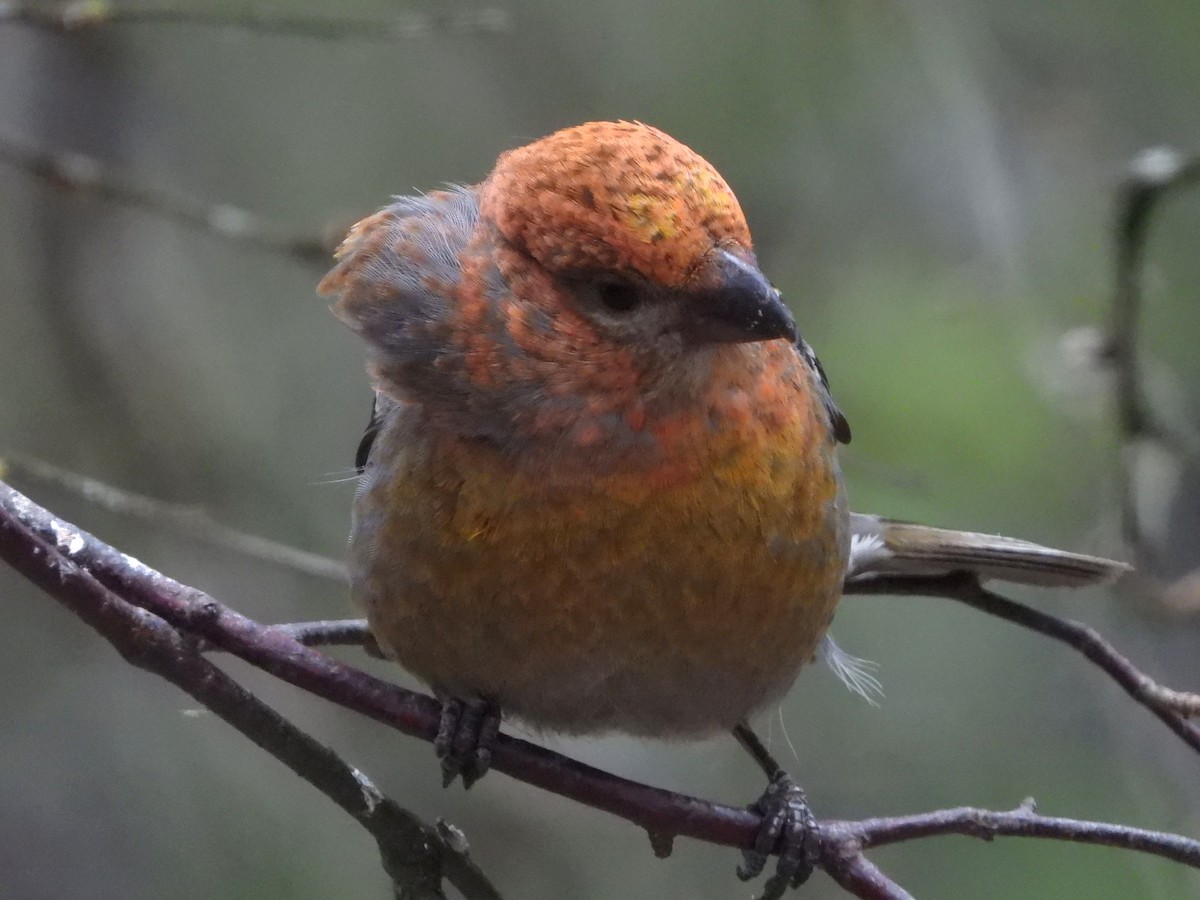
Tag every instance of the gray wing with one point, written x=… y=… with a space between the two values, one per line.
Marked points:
x=396 y=284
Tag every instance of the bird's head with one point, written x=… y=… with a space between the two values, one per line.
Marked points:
x=641 y=234
x=597 y=290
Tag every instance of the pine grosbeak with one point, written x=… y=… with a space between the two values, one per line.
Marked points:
x=600 y=490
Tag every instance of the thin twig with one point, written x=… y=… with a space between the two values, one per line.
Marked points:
x=84 y=175
x=1154 y=175
x=414 y=854
x=655 y=810
x=863 y=878
x=187 y=520
x=327 y=632
x=93 y=14
x=1172 y=707
x=1024 y=821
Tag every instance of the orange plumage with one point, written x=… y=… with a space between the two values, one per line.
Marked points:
x=604 y=491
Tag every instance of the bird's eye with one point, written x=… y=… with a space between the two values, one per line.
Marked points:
x=618 y=296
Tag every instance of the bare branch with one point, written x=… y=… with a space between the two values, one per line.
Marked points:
x=328 y=632
x=862 y=878
x=1023 y=821
x=84 y=175
x=414 y=854
x=1154 y=175
x=1186 y=703
x=187 y=520
x=60 y=547
x=1172 y=707
x=87 y=15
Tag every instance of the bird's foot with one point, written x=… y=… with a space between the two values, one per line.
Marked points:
x=789 y=824
x=467 y=730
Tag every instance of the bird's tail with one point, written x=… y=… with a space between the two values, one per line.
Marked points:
x=882 y=546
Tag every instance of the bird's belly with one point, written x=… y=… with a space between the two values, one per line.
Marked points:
x=663 y=610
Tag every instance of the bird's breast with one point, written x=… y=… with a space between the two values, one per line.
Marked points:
x=674 y=595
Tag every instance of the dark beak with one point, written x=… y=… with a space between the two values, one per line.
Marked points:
x=736 y=305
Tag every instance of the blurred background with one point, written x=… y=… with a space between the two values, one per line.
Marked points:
x=931 y=185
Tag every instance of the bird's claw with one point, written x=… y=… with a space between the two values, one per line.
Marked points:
x=465 y=736
x=789 y=824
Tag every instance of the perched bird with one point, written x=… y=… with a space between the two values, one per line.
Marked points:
x=600 y=488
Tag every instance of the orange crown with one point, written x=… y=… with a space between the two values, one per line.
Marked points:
x=612 y=196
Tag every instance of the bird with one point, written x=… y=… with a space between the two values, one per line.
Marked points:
x=600 y=489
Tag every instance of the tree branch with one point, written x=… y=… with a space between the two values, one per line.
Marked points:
x=44 y=548
x=862 y=878
x=86 y=15
x=1154 y=175
x=327 y=632
x=87 y=176
x=1172 y=707
x=186 y=520
x=414 y=855
x=1024 y=821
